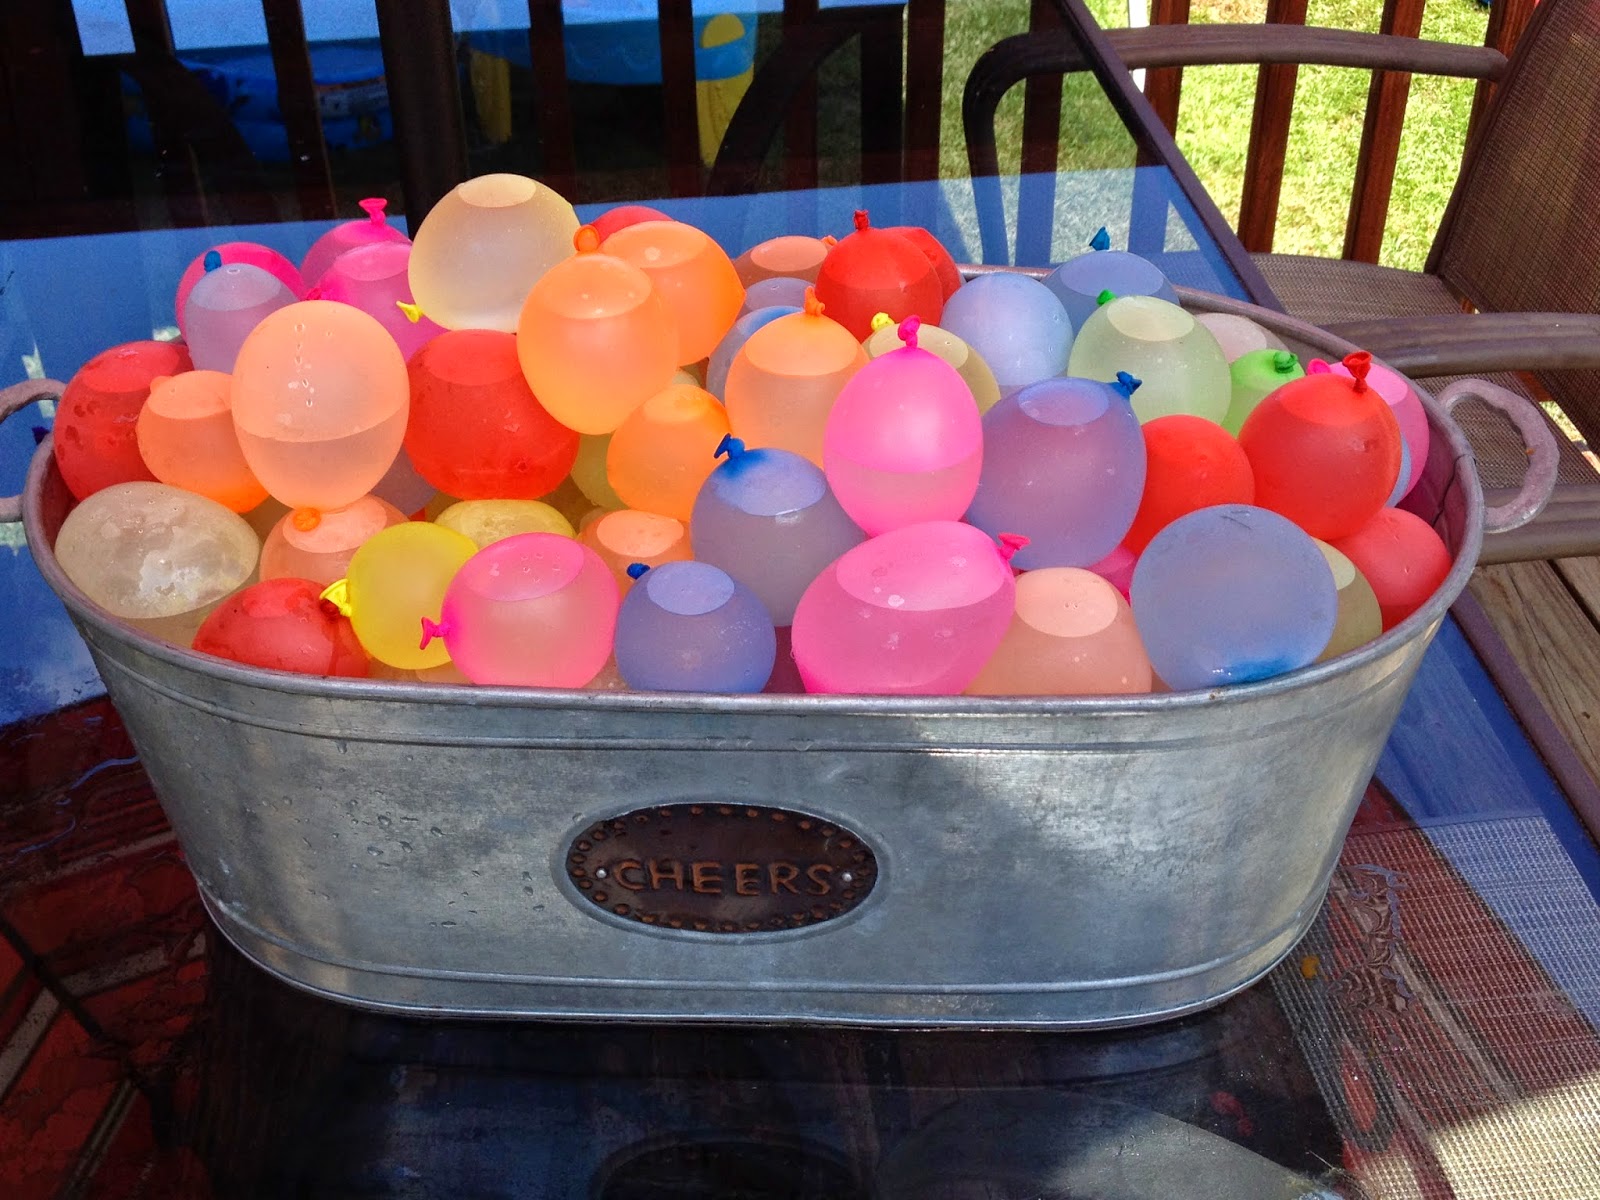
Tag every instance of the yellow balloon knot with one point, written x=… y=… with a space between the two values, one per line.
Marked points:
x=881 y=321
x=306 y=519
x=337 y=594
x=413 y=312
x=586 y=240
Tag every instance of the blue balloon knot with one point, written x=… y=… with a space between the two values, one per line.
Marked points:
x=1127 y=384
x=636 y=569
x=729 y=445
x=212 y=260
x=1101 y=240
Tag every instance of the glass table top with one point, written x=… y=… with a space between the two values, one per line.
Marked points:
x=1433 y=1037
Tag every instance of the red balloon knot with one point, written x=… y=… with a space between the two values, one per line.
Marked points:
x=1010 y=543
x=908 y=330
x=1358 y=364
x=813 y=306
x=862 y=222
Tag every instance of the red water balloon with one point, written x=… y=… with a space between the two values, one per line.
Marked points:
x=944 y=266
x=878 y=271
x=476 y=431
x=1403 y=559
x=283 y=625
x=1325 y=451
x=1190 y=463
x=624 y=215
x=97 y=417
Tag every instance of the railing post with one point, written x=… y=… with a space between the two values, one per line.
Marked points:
x=1269 y=139
x=1163 y=86
x=1380 y=141
x=1507 y=20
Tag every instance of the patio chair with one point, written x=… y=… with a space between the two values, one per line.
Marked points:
x=1512 y=283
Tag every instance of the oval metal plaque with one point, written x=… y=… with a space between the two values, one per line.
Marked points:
x=722 y=868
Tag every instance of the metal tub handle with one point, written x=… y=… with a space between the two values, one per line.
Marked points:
x=1543 y=458
x=14 y=399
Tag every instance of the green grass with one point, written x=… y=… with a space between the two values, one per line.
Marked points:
x=1214 y=122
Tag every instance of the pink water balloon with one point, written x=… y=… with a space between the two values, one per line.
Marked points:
x=375 y=278
x=903 y=442
x=915 y=611
x=374 y=230
x=533 y=610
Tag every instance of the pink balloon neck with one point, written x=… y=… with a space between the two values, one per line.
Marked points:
x=431 y=630
x=908 y=331
x=374 y=207
x=1010 y=543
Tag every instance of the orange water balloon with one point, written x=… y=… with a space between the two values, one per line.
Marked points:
x=665 y=449
x=187 y=439
x=627 y=536
x=595 y=338
x=320 y=399
x=785 y=378
x=694 y=276
x=319 y=545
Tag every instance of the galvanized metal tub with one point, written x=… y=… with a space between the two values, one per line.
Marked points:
x=1027 y=862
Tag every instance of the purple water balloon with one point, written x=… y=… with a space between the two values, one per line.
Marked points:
x=1078 y=282
x=767 y=518
x=1016 y=324
x=1064 y=464
x=1231 y=594
x=691 y=627
x=226 y=303
x=733 y=341
x=780 y=291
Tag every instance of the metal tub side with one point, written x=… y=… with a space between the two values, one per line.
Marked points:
x=1046 y=862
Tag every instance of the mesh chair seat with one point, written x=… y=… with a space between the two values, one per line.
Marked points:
x=1325 y=291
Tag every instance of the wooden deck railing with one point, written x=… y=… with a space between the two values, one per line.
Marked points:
x=1274 y=109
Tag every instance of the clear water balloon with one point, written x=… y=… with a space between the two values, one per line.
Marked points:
x=484 y=245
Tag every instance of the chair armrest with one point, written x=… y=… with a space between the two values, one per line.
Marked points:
x=1210 y=45
x=1477 y=343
